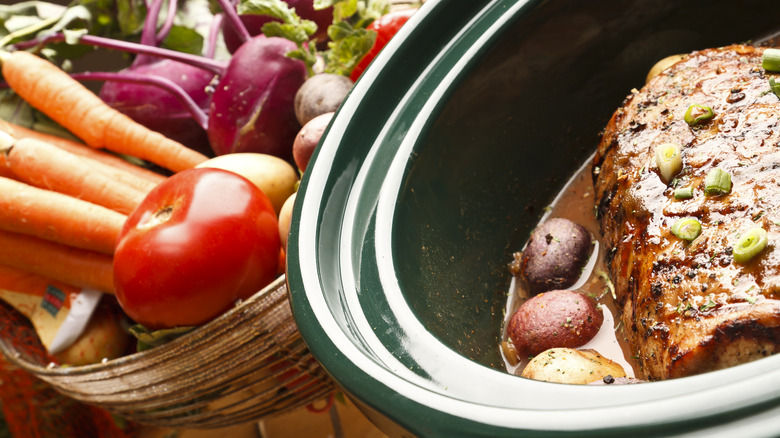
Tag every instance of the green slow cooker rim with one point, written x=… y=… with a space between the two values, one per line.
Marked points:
x=488 y=19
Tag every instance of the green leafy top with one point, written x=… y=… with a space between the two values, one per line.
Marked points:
x=349 y=38
x=292 y=27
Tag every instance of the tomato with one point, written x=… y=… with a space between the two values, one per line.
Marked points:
x=199 y=241
x=385 y=27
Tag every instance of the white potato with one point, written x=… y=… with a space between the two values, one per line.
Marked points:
x=567 y=365
x=662 y=65
x=274 y=176
x=285 y=217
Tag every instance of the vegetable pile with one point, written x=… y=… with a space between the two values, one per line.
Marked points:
x=167 y=182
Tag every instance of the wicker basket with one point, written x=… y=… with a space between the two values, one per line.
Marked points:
x=249 y=363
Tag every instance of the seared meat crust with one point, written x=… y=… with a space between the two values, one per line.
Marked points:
x=687 y=307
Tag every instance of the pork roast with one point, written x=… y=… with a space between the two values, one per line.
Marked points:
x=686 y=305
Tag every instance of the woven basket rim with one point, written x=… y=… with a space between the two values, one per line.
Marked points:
x=64 y=371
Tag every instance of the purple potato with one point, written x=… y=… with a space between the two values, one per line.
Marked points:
x=555 y=256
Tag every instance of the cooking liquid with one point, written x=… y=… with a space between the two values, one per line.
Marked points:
x=576 y=202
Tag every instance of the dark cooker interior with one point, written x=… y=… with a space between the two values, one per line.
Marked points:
x=515 y=130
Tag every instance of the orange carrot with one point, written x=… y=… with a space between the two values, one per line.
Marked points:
x=74 y=266
x=83 y=150
x=19 y=281
x=4 y=171
x=59 y=218
x=53 y=92
x=120 y=175
x=43 y=165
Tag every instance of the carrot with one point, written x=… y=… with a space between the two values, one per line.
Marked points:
x=74 y=266
x=53 y=92
x=4 y=171
x=116 y=173
x=81 y=149
x=59 y=218
x=22 y=282
x=43 y=165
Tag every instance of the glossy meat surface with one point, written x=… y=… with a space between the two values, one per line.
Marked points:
x=687 y=307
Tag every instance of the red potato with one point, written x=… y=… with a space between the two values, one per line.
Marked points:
x=554 y=319
x=308 y=138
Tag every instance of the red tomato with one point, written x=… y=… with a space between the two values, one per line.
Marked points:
x=199 y=241
x=385 y=27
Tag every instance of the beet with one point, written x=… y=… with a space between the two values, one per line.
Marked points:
x=252 y=108
x=158 y=109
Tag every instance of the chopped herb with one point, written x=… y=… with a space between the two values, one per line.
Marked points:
x=708 y=305
x=610 y=287
x=682 y=308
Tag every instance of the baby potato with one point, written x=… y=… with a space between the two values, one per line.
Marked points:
x=274 y=176
x=308 y=138
x=559 y=318
x=555 y=256
x=662 y=65
x=285 y=217
x=567 y=365
x=320 y=94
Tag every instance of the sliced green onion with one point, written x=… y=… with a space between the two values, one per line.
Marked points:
x=687 y=228
x=775 y=86
x=668 y=157
x=717 y=182
x=697 y=113
x=684 y=193
x=750 y=244
x=771 y=60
